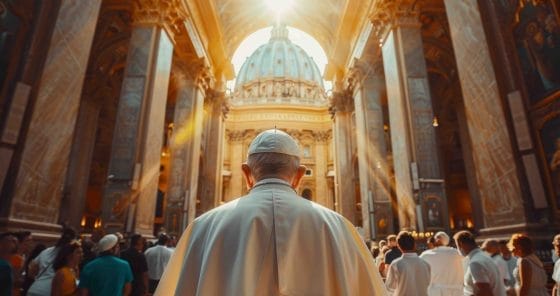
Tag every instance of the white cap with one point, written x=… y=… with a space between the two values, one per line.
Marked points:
x=276 y=141
x=442 y=237
x=107 y=242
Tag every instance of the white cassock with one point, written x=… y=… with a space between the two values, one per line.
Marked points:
x=271 y=242
x=447 y=271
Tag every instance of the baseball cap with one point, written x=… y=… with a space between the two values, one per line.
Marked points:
x=107 y=242
x=275 y=141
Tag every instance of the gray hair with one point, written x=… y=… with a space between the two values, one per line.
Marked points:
x=272 y=165
x=442 y=238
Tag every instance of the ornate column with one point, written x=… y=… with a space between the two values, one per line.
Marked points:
x=130 y=193
x=181 y=151
x=36 y=134
x=321 y=167
x=419 y=183
x=372 y=150
x=211 y=176
x=494 y=162
x=342 y=106
x=236 y=140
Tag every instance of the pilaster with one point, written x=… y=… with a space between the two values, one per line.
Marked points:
x=48 y=100
x=419 y=182
x=181 y=151
x=372 y=149
x=129 y=197
x=493 y=156
x=236 y=141
x=321 y=168
x=342 y=106
x=211 y=175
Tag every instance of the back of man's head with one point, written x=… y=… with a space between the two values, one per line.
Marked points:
x=162 y=239
x=273 y=154
x=406 y=242
x=392 y=240
x=491 y=246
x=441 y=239
x=136 y=241
x=465 y=238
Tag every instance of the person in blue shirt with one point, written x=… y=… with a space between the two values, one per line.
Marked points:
x=8 y=245
x=106 y=275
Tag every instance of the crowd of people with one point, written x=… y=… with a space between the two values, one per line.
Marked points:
x=82 y=265
x=493 y=268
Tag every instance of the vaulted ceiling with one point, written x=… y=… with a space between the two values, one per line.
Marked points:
x=224 y=24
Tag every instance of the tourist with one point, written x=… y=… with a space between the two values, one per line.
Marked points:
x=17 y=260
x=556 y=272
x=157 y=258
x=107 y=275
x=530 y=276
x=42 y=266
x=408 y=274
x=446 y=267
x=482 y=276
x=511 y=262
x=134 y=255
x=271 y=241
x=8 y=245
x=66 y=266
x=28 y=279
x=492 y=248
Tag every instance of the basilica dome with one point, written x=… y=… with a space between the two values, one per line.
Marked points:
x=279 y=72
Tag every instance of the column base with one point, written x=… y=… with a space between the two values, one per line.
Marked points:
x=47 y=233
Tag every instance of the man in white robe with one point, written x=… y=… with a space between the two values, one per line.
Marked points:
x=271 y=241
x=446 y=268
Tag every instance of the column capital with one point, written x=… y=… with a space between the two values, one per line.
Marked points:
x=169 y=14
x=235 y=136
x=322 y=136
x=342 y=101
x=217 y=99
x=389 y=14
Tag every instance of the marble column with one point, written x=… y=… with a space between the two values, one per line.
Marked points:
x=344 y=186
x=211 y=175
x=38 y=178
x=133 y=175
x=372 y=151
x=321 y=168
x=493 y=157
x=196 y=151
x=419 y=182
x=181 y=148
x=77 y=178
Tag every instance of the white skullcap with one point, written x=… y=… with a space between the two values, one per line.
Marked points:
x=442 y=237
x=276 y=141
x=107 y=242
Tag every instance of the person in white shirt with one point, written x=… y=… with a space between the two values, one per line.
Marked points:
x=511 y=262
x=408 y=274
x=446 y=267
x=157 y=258
x=482 y=276
x=492 y=248
x=556 y=272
